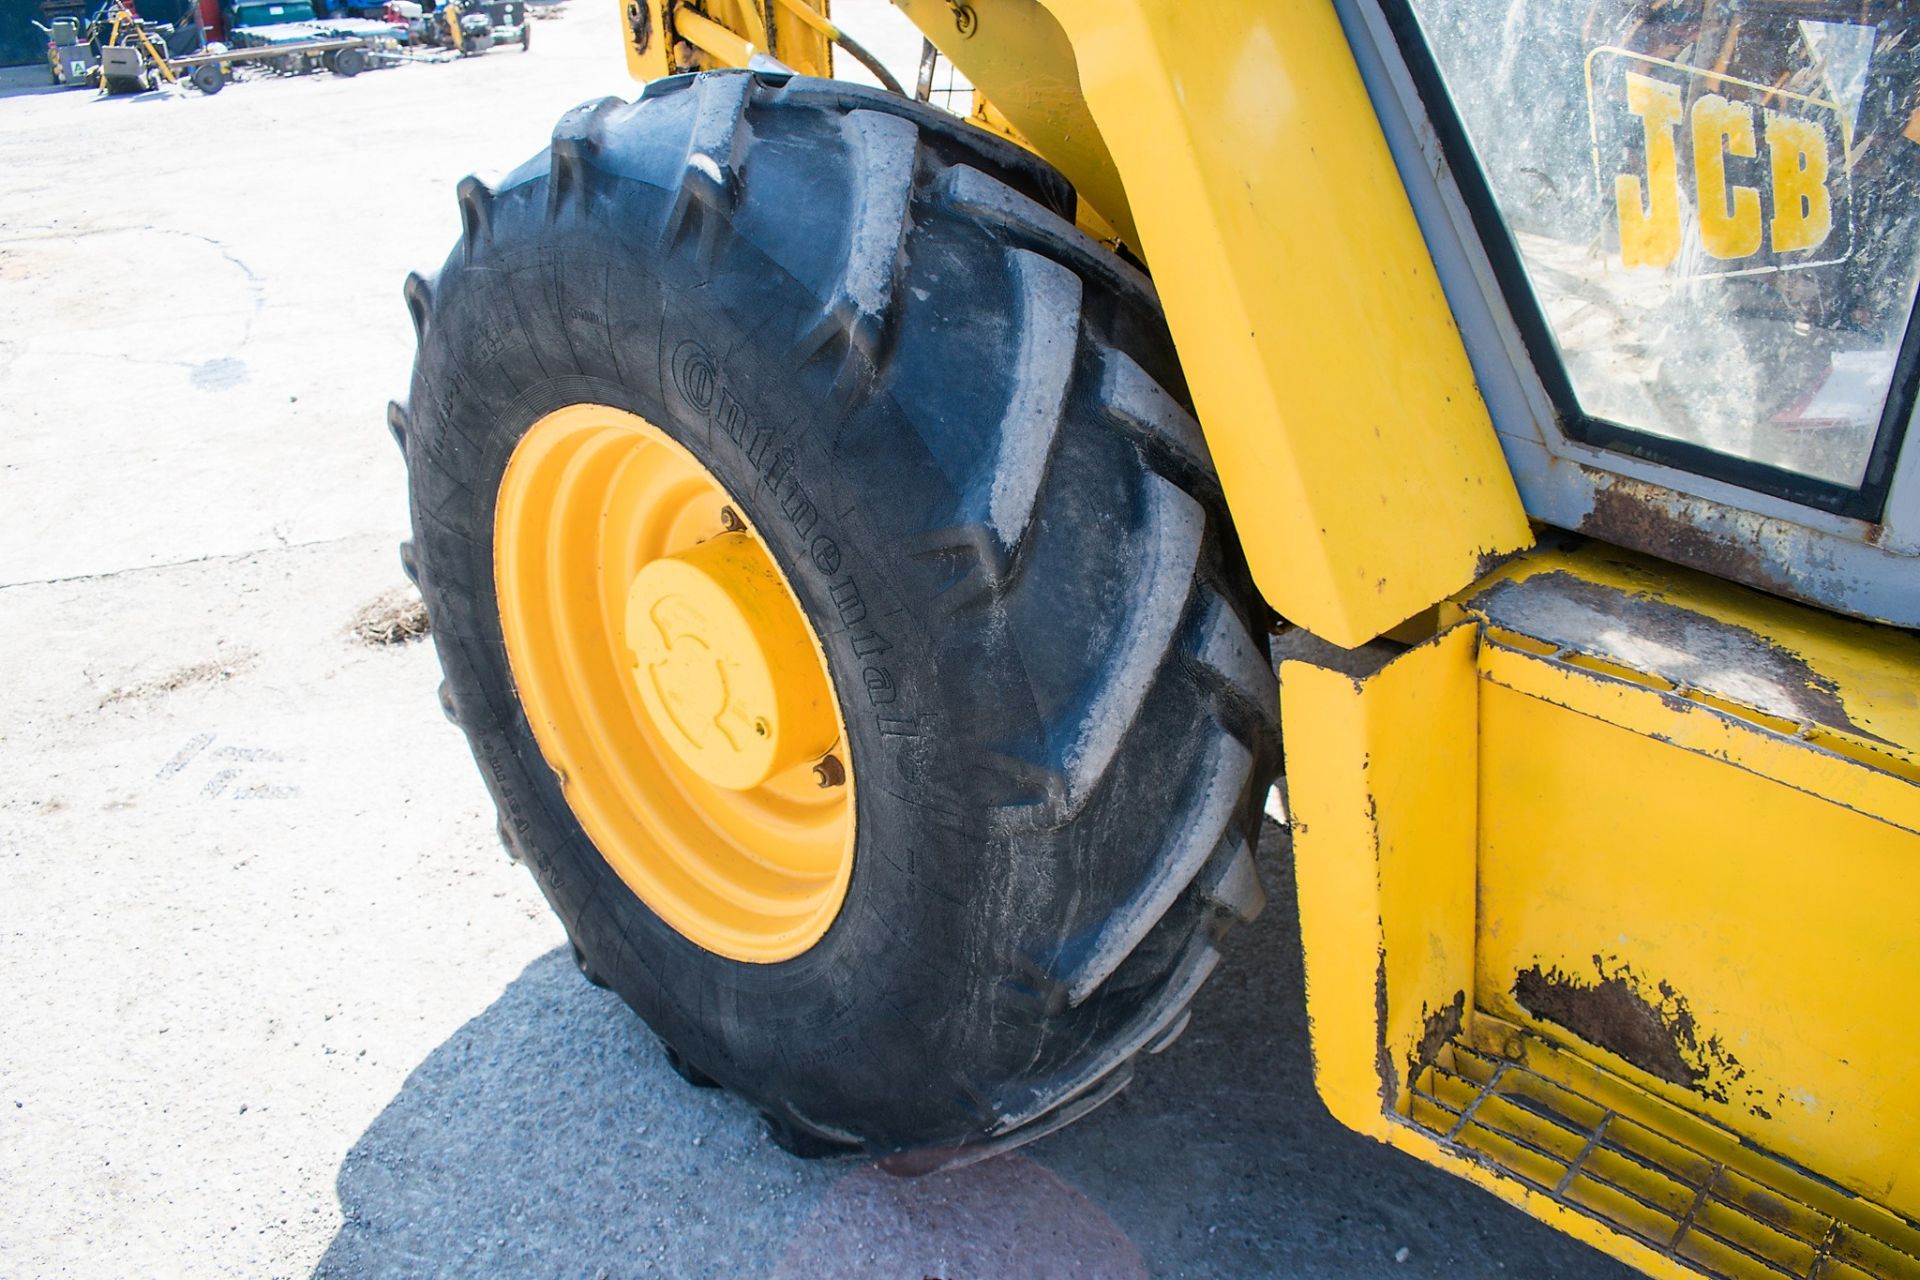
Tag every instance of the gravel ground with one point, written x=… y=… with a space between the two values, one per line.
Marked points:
x=275 y=1004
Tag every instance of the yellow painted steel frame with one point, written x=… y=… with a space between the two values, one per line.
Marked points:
x=1608 y=895
x=667 y=37
x=1019 y=58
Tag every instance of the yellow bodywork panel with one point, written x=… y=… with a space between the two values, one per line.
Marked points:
x=1328 y=373
x=1378 y=945
x=1660 y=835
x=1706 y=879
x=666 y=37
x=1016 y=54
x=1847 y=685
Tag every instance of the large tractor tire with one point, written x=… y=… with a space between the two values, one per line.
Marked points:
x=837 y=596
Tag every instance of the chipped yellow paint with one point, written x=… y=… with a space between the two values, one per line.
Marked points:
x=1869 y=670
x=666 y=37
x=1386 y=892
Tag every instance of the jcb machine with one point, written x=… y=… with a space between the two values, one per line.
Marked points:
x=858 y=541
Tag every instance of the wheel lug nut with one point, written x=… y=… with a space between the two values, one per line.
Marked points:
x=830 y=772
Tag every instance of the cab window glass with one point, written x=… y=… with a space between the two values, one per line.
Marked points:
x=1715 y=206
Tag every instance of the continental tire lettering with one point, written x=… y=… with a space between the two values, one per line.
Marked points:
x=694 y=375
x=733 y=418
x=781 y=464
x=702 y=386
x=853 y=616
x=800 y=513
x=762 y=445
x=846 y=599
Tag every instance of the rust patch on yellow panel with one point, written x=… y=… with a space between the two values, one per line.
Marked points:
x=1651 y=1028
x=1382 y=1057
x=1439 y=1027
x=1647 y=518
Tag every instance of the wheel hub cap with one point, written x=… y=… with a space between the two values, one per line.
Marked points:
x=724 y=665
x=674 y=684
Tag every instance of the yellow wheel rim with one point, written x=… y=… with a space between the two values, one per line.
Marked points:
x=674 y=684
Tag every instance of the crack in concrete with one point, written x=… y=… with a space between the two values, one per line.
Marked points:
x=256 y=285
x=179 y=564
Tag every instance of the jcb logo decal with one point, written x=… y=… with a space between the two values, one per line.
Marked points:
x=1763 y=171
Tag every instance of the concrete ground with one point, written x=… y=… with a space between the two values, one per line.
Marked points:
x=274 y=1002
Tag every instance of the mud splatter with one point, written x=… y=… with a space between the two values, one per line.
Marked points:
x=212 y=671
x=393 y=617
x=1382 y=1057
x=1442 y=1025
x=1652 y=1028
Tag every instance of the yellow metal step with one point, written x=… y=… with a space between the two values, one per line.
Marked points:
x=1690 y=1190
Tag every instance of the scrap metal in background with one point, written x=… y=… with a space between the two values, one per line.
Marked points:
x=120 y=52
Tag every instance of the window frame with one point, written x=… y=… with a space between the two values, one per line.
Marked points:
x=1866 y=501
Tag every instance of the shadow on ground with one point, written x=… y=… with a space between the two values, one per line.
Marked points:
x=33 y=80
x=549 y=1137
x=20 y=87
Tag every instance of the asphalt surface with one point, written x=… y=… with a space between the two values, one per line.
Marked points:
x=274 y=1002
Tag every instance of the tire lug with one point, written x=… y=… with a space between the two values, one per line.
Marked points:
x=586 y=968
